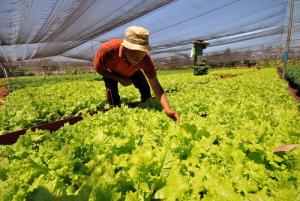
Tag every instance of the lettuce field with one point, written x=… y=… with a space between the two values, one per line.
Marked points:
x=221 y=149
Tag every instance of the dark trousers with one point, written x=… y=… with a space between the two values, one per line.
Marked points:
x=138 y=79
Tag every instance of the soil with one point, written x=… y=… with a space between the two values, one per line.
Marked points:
x=222 y=76
x=293 y=90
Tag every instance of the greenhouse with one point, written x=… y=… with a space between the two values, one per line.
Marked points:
x=176 y=100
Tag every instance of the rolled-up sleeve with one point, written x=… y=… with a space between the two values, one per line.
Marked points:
x=102 y=60
x=149 y=67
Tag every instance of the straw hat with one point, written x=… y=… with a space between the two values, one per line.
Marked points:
x=136 y=38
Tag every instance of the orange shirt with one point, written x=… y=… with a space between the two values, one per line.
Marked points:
x=110 y=56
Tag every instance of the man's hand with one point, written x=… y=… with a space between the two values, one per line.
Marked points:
x=161 y=96
x=125 y=82
x=173 y=115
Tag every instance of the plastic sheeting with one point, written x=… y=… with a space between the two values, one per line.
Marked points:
x=240 y=25
x=42 y=28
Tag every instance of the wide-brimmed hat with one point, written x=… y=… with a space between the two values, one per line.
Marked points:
x=136 y=38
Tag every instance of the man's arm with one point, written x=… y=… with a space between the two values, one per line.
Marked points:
x=161 y=96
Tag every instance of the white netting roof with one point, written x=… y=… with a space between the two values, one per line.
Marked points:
x=42 y=28
x=75 y=29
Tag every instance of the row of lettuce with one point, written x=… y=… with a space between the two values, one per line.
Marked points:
x=16 y=83
x=222 y=149
x=293 y=76
x=43 y=102
x=22 y=82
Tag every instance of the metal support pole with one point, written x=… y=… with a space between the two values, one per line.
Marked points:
x=93 y=54
x=286 y=53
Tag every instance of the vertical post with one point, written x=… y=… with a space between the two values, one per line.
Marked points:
x=92 y=50
x=288 y=41
x=7 y=83
x=59 y=65
x=58 y=62
x=4 y=69
x=93 y=55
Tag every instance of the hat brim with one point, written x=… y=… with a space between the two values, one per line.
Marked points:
x=132 y=46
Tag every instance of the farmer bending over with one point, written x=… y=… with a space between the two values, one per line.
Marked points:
x=124 y=61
